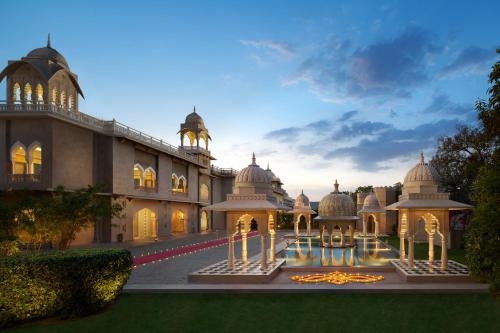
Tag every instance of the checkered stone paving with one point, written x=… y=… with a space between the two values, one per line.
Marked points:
x=425 y=272
x=249 y=271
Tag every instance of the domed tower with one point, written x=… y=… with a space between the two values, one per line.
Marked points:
x=336 y=210
x=302 y=212
x=373 y=215
x=40 y=78
x=253 y=180
x=194 y=131
x=422 y=178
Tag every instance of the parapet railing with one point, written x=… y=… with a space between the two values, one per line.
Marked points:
x=25 y=178
x=224 y=171
x=111 y=127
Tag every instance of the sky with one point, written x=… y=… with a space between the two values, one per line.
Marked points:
x=320 y=90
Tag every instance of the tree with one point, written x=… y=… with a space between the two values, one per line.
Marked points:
x=360 y=189
x=483 y=235
x=68 y=212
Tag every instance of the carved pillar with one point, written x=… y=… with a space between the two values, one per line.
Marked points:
x=402 y=253
x=377 y=223
x=351 y=235
x=364 y=225
x=309 y=226
x=410 y=251
x=330 y=237
x=263 y=250
x=230 y=258
x=244 y=251
x=296 y=227
x=321 y=234
x=342 y=237
x=431 y=248
x=273 y=247
x=444 y=252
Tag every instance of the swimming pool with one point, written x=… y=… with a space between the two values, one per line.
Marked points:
x=306 y=251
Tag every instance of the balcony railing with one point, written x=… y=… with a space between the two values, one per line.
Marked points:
x=111 y=127
x=224 y=171
x=25 y=178
x=179 y=193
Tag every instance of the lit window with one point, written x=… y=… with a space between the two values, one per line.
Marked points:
x=137 y=176
x=19 y=163
x=16 y=93
x=27 y=93
x=149 y=178
x=35 y=157
x=54 y=96
x=39 y=93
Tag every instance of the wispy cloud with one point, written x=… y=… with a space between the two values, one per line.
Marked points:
x=281 y=48
x=471 y=60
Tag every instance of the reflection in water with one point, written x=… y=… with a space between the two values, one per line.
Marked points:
x=306 y=251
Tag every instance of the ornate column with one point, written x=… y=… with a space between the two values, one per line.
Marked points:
x=244 y=251
x=431 y=248
x=410 y=251
x=351 y=235
x=342 y=237
x=364 y=225
x=321 y=234
x=230 y=259
x=309 y=226
x=444 y=252
x=376 y=227
x=296 y=228
x=402 y=253
x=273 y=247
x=330 y=237
x=263 y=250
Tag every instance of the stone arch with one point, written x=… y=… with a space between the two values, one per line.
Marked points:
x=53 y=96
x=191 y=136
x=62 y=99
x=179 y=221
x=204 y=221
x=370 y=224
x=204 y=192
x=16 y=93
x=203 y=140
x=175 y=181
x=35 y=158
x=39 y=93
x=71 y=103
x=182 y=184
x=150 y=177
x=138 y=175
x=19 y=158
x=145 y=224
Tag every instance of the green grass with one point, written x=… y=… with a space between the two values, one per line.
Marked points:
x=422 y=250
x=288 y=313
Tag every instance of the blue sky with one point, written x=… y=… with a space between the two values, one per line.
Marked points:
x=321 y=90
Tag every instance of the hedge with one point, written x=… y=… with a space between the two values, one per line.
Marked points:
x=65 y=283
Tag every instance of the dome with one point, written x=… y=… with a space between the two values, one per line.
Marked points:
x=272 y=176
x=422 y=173
x=302 y=200
x=371 y=202
x=336 y=204
x=48 y=54
x=252 y=174
x=194 y=122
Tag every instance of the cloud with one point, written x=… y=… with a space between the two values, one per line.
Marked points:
x=360 y=128
x=386 y=68
x=281 y=48
x=394 y=143
x=348 y=115
x=442 y=104
x=471 y=60
x=284 y=134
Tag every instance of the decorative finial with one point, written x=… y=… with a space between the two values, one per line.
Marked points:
x=268 y=166
x=422 y=157
x=48 y=41
x=253 y=159
x=194 y=108
x=302 y=192
x=336 y=186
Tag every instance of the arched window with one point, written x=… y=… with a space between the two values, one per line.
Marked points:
x=181 y=187
x=149 y=178
x=54 y=96
x=27 y=93
x=138 y=175
x=70 y=103
x=18 y=159
x=204 y=140
x=39 y=93
x=16 y=93
x=35 y=158
x=204 y=193
x=62 y=99
x=175 y=182
x=191 y=138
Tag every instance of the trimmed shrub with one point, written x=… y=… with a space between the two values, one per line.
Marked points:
x=65 y=283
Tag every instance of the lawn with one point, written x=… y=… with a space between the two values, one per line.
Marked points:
x=422 y=250
x=287 y=313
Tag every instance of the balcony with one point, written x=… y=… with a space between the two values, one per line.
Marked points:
x=224 y=171
x=24 y=178
x=111 y=127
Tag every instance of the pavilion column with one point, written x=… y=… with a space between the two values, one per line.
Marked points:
x=342 y=237
x=351 y=235
x=263 y=250
x=364 y=225
x=230 y=258
x=444 y=252
x=296 y=228
x=410 y=251
x=244 y=250
x=351 y=257
x=273 y=248
x=376 y=228
x=402 y=253
x=431 y=248
x=330 y=238
x=309 y=226
x=321 y=235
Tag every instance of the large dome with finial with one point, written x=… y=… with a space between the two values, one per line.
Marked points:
x=48 y=54
x=252 y=174
x=194 y=122
x=422 y=172
x=302 y=200
x=336 y=204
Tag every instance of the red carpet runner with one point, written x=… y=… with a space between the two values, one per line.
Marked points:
x=186 y=249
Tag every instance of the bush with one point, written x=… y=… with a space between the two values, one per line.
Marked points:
x=65 y=283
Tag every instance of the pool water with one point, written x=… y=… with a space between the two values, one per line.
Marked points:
x=306 y=251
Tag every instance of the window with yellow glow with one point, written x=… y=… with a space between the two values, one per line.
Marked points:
x=16 y=93
x=149 y=178
x=71 y=103
x=62 y=99
x=35 y=157
x=54 y=96
x=182 y=184
x=137 y=176
x=174 y=182
x=19 y=162
x=39 y=93
x=27 y=92
x=204 y=193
